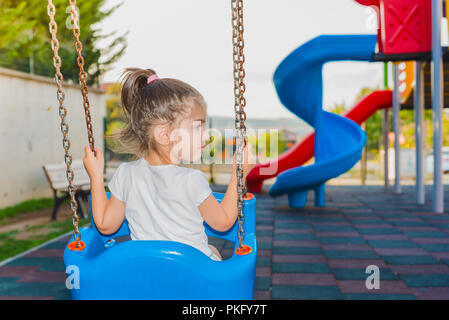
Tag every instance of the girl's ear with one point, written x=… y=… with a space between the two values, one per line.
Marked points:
x=162 y=134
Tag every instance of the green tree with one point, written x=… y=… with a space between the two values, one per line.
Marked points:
x=115 y=119
x=338 y=108
x=428 y=129
x=12 y=24
x=373 y=124
x=407 y=127
x=25 y=38
x=262 y=143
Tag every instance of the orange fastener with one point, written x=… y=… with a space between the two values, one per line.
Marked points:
x=72 y=246
x=246 y=249
x=248 y=196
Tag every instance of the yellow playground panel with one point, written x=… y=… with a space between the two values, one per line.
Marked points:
x=406 y=79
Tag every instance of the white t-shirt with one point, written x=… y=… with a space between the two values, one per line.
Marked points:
x=161 y=202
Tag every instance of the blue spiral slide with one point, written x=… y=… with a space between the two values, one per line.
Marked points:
x=338 y=141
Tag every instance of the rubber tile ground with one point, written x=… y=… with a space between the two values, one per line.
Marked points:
x=309 y=253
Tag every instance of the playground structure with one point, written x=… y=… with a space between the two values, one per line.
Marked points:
x=338 y=143
x=407 y=31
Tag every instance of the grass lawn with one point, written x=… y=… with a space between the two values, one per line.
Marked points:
x=11 y=246
x=33 y=223
x=27 y=206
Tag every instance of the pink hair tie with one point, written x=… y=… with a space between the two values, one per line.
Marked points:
x=152 y=78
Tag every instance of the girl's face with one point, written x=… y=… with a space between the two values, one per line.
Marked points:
x=191 y=136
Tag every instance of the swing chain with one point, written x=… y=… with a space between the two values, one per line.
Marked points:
x=82 y=74
x=51 y=10
x=239 y=104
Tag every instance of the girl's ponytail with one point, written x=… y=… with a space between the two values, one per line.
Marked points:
x=134 y=79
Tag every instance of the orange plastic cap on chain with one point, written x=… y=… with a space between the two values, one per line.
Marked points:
x=246 y=249
x=248 y=196
x=72 y=246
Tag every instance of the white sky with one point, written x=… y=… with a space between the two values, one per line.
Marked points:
x=191 y=40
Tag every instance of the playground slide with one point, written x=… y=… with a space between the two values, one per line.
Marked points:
x=302 y=152
x=338 y=141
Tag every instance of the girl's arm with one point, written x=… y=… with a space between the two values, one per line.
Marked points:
x=109 y=214
x=222 y=216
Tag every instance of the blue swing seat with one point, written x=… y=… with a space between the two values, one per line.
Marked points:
x=160 y=270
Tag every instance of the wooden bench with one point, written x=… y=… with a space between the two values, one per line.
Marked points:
x=57 y=178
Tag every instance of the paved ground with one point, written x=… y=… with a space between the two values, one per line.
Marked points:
x=311 y=253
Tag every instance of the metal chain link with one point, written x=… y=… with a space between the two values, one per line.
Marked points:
x=82 y=74
x=239 y=104
x=64 y=126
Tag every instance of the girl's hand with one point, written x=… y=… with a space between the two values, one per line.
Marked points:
x=94 y=164
x=248 y=160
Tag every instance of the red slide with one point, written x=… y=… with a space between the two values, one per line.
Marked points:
x=304 y=150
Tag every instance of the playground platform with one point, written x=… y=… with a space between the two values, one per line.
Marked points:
x=310 y=253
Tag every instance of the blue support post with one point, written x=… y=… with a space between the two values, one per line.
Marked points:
x=437 y=107
x=396 y=129
x=419 y=116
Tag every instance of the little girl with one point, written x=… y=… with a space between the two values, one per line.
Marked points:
x=161 y=200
